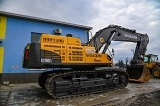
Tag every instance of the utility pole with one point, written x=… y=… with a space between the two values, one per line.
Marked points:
x=133 y=52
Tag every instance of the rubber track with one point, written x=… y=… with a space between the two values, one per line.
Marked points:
x=50 y=80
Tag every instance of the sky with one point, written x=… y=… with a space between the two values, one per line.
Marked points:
x=141 y=15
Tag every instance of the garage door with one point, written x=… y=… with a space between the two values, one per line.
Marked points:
x=1 y=58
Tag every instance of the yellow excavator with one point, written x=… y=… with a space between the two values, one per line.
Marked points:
x=152 y=64
x=80 y=69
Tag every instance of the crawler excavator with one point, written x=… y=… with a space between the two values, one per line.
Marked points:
x=81 y=68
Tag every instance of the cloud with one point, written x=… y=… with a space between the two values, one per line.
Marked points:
x=141 y=15
x=70 y=11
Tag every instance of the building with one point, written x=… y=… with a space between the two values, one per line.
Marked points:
x=15 y=33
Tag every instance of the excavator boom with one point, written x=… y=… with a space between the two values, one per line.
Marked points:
x=137 y=70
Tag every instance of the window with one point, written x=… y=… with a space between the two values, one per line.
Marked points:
x=145 y=59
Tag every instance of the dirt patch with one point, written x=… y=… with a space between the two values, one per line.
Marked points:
x=147 y=99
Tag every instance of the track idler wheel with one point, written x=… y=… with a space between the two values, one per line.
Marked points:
x=156 y=73
x=138 y=73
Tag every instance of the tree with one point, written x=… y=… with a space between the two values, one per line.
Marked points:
x=120 y=64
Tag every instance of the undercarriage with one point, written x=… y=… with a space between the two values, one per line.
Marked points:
x=63 y=84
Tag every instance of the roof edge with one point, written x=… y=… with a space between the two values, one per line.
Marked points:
x=44 y=20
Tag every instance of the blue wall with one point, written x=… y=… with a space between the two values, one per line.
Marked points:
x=18 y=34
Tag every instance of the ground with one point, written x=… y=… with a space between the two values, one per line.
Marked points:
x=30 y=94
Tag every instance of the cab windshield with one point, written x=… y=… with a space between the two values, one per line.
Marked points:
x=145 y=59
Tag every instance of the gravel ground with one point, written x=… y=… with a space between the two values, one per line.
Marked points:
x=146 y=99
x=30 y=94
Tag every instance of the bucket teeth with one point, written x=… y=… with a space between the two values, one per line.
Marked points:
x=138 y=73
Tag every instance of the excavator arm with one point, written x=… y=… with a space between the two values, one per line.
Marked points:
x=118 y=33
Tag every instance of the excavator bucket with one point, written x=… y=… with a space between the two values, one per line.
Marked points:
x=138 y=73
